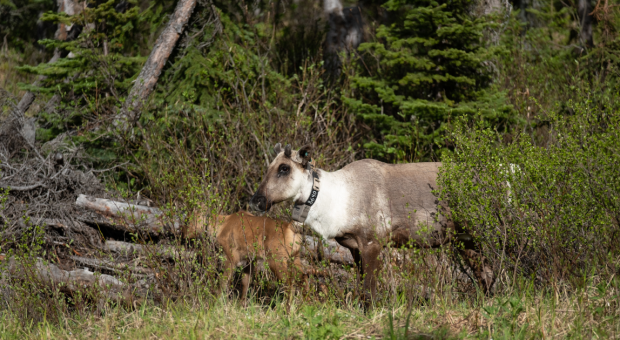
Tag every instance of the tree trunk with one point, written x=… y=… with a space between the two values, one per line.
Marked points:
x=585 y=18
x=144 y=84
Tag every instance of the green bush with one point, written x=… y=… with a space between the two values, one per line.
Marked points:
x=547 y=212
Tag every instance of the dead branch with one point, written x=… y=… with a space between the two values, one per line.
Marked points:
x=22 y=188
x=144 y=84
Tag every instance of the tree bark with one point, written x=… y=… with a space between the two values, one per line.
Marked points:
x=585 y=18
x=144 y=84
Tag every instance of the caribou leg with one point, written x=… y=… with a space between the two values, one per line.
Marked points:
x=371 y=264
x=469 y=250
x=481 y=268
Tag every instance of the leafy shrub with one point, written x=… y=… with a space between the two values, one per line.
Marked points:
x=546 y=212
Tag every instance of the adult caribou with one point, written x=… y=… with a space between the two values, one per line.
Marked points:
x=365 y=205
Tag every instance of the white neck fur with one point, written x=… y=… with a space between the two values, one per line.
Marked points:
x=329 y=214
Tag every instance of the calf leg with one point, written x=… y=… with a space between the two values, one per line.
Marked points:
x=227 y=275
x=288 y=273
x=357 y=257
x=246 y=278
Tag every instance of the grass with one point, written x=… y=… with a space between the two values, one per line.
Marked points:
x=591 y=313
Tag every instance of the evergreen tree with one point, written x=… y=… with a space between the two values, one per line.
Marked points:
x=429 y=65
x=97 y=67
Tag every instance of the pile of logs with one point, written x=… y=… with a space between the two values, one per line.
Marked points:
x=104 y=275
x=133 y=218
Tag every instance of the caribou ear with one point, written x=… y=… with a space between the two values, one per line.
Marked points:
x=305 y=154
x=277 y=148
x=287 y=150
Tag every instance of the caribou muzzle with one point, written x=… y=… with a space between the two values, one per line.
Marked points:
x=259 y=202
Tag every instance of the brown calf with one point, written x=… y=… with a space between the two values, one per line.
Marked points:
x=248 y=240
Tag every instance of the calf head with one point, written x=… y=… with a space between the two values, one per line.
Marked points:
x=285 y=178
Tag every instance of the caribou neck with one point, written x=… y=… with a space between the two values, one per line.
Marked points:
x=306 y=189
x=328 y=213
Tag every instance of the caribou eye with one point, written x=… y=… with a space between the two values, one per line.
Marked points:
x=283 y=169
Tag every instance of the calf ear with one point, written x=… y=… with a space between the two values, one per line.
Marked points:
x=305 y=154
x=287 y=150
x=277 y=148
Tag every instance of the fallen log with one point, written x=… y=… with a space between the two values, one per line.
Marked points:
x=48 y=274
x=104 y=265
x=129 y=217
x=332 y=251
x=144 y=84
x=132 y=249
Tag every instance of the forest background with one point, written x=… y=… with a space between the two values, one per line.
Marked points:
x=476 y=84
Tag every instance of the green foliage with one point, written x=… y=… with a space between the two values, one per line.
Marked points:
x=97 y=79
x=18 y=24
x=94 y=73
x=208 y=75
x=98 y=67
x=320 y=326
x=543 y=65
x=545 y=212
x=430 y=65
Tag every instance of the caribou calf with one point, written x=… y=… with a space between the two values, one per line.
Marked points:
x=366 y=205
x=248 y=240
